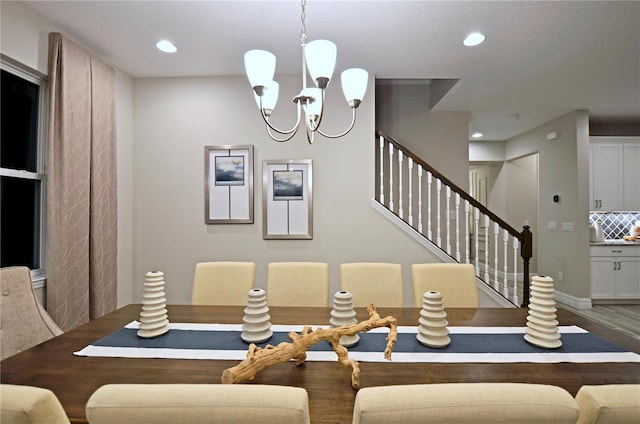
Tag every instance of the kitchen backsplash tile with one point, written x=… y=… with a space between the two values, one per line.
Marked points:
x=614 y=224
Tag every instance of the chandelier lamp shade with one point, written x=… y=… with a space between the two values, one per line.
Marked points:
x=319 y=58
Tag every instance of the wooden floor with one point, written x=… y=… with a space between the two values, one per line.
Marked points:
x=623 y=318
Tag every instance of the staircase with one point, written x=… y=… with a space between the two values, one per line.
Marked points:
x=450 y=223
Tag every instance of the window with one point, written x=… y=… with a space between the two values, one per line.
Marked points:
x=22 y=162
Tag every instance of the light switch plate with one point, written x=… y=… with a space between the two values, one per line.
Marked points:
x=552 y=225
x=567 y=226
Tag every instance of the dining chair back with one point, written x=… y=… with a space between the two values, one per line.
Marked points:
x=456 y=282
x=375 y=283
x=462 y=403
x=24 y=322
x=198 y=404
x=30 y=405
x=298 y=284
x=609 y=404
x=222 y=283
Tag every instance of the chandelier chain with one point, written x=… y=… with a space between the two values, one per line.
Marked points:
x=303 y=29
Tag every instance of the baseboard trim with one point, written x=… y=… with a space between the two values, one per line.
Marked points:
x=572 y=301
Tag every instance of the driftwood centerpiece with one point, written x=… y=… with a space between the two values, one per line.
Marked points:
x=258 y=359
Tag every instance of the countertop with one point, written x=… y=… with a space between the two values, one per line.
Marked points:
x=615 y=242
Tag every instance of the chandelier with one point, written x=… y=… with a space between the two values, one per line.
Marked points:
x=319 y=57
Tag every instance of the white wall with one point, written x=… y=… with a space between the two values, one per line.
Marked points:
x=563 y=171
x=486 y=151
x=176 y=117
x=533 y=165
x=440 y=138
x=514 y=196
x=24 y=37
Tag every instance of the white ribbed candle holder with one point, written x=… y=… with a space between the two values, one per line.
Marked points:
x=256 y=327
x=344 y=314
x=542 y=326
x=432 y=328
x=154 y=320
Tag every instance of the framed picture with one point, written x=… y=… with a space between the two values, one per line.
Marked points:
x=228 y=184
x=287 y=196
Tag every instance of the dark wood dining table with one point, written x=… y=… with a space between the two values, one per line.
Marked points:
x=331 y=398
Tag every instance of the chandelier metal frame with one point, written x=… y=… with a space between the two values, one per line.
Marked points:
x=310 y=102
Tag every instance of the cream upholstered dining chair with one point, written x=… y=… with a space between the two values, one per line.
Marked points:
x=198 y=404
x=30 y=405
x=456 y=282
x=298 y=284
x=222 y=283
x=609 y=404
x=373 y=282
x=462 y=403
x=24 y=322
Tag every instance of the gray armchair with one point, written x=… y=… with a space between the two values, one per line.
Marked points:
x=23 y=320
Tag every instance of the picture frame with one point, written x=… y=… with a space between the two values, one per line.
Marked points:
x=228 y=184
x=287 y=199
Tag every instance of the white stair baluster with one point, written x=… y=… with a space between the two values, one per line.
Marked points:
x=476 y=220
x=438 y=215
x=486 y=249
x=458 y=227
x=391 y=177
x=496 y=280
x=505 y=240
x=400 y=170
x=410 y=178
x=420 y=199
x=466 y=232
x=448 y=220
x=382 y=170
x=515 y=271
x=429 y=181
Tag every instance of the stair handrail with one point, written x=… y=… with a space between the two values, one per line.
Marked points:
x=525 y=236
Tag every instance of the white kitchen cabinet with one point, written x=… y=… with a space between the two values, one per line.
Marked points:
x=615 y=272
x=631 y=177
x=614 y=180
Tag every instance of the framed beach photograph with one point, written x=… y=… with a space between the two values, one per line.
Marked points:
x=287 y=200
x=288 y=185
x=229 y=170
x=228 y=184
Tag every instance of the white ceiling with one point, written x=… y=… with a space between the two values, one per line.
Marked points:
x=541 y=59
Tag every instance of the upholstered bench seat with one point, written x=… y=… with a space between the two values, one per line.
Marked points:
x=197 y=404
x=475 y=403
x=609 y=404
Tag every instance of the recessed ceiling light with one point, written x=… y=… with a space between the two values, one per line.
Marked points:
x=166 y=46
x=474 y=39
x=476 y=134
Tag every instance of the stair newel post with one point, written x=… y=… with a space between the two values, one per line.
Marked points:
x=526 y=252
